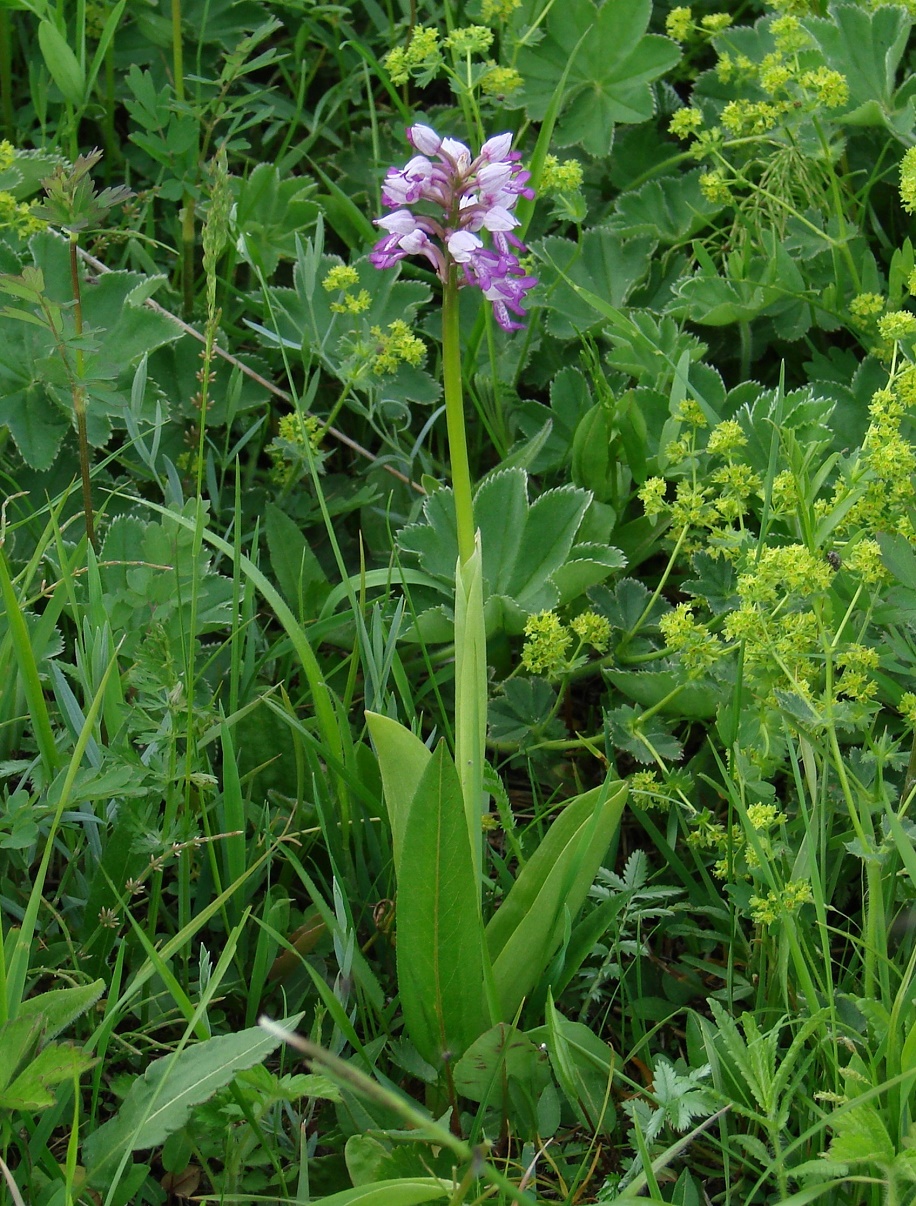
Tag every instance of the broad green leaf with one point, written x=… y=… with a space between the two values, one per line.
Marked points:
x=898 y=555
x=402 y=758
x=569 y=400
x=770 y=284
x=19 y=1038
x=526 y=930
x=370 y=1161
x=588 y=564
x=610 y=75
x=866 y=48
x=159 y=1101
x=301 y=578
x=553 y=521
x=402 y=1192
x=861 y=1137
x=59 y=1007
x=270 y=212
x=697 y=700
x=584 y=1066
x=670 y=210
x=644 y=739
x=440 y=949
x=500 y=1052
x=62 y=63
x=526 y=548
x=30 y=408
x=54 y=1064
x=601 y=264
x=501 y=511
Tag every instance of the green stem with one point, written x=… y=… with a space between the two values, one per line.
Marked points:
x=79 y=394
x=187 y=254
x=177 y=51
x=454 y=417
x=6 y=75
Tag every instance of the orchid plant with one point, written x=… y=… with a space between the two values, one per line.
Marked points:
x=458 y=976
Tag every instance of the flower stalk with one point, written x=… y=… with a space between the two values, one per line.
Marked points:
x=79 y=392
x=454 y=418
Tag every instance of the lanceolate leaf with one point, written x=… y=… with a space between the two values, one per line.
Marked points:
x=439 y=939
x=159 y=1102
x=402 y=759
x=407 y=1191
x=526 y=930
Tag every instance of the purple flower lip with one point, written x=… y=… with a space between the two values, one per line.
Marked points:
x=460 y=196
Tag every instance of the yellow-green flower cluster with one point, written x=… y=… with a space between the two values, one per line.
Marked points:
x=765 y=910
x=547 y=640
x=300 y=429
x=420 y=54
x=592 y=629
x=714 y=23
x=690 y=411
x=7 y=155
x=908 y=181
x=560 y=176
x=715 y=187
x=342 y=279
x=685 y=122
x=897 y=325
x=470 y=39
x=498 y=10
x=296 y=435
x=784 y=570
x=652 y=496
x=647 y=791
x=881 y=478
x=697 y=646
x=499 y=82
x=864 y=559
x=743 y=117
x=866 y=306
x=395 y=346
x=907 y=708
x=18 y=217
x=764 y=817
x=706 y=833
x=780 y=649
x=829 y=87
x=857 y=662
x=679 y=23
x=725 y=438
x=692 y=507
x=736 y=482
x=788 y=34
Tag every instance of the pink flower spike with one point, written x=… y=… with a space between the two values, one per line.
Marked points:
x=401 y=222
x=462 y=245
x=496 y=148
x=455 y=198
x=457 y=152
x=498 y=218
x=425 y=139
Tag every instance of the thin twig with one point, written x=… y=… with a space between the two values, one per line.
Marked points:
x=98 y=266
x=11 y=1185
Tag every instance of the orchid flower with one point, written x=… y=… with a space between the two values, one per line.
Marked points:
x=460 y=197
